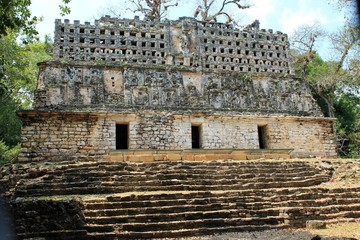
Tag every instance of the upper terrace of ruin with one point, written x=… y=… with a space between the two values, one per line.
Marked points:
x=185 y=42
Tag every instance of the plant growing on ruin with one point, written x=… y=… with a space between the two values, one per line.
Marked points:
x=211 y=10
x=151 y=9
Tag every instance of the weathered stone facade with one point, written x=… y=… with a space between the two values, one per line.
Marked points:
x=160 y=80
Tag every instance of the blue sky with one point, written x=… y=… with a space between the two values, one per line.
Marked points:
x=279 y=15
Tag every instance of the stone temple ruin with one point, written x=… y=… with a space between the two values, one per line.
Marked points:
x=171 y=85
x=128 y=110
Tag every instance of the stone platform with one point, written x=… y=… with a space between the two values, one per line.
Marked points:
x=199 y=154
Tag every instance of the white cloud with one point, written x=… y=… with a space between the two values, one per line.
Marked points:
x=290 y=19
x=261 y=10
x=306 y=12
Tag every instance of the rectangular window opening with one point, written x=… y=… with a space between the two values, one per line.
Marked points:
x=122 y=136
x=262 y=137
x=195 y=137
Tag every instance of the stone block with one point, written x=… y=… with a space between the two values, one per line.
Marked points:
x=143 y=152
x=254 y=156
x=116 y=157
x=159 y=157
x=139 y=158
x=238 y=156
x=315 y=224
x=277 y=156
x=200 y=157
x=173 y=157
x=188 y=157
x=223 y=156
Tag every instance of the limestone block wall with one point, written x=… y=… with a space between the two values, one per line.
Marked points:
x=306 y=137
x=64 y=136
x=159 y=130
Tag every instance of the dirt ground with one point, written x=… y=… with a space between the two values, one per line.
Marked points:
x=343 y=231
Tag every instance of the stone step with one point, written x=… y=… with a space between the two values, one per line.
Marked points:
x=200 y=223
x=330 y=211
x=179 y=164
x=55 y=235
x=114 y=187
x=100 y=228
x=181 y=232
x=177 y=207
x=147 y=180
x=200 y=170
x=244 y=196
x=295 y=203
x=303 y=173
x=104 y=236
x=250 y=201
x=158 y=165
x=181 y=176
x=138 y=179
x=235 y=173
x=164 y=215
x=252 y=208
x=175 y=181
x=341 y=220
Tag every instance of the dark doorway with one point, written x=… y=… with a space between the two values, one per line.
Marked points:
x=122 y=136
x=195 y=136
x=262 y=139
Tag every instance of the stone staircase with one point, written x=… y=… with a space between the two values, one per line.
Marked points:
x=120 y=177
x=158 y=199
x=181 y=214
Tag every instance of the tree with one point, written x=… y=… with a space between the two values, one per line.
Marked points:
x=18 y=74
x=325 y=78
x=18 y=69
x=303 y=41
x=347 y=109
x=335 y=83
x=15 y=16
x=151 y=9
x=10 y=129
x=211 y=10
x=352 y=8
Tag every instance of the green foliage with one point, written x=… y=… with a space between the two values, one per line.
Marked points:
x=324 y=81
x=337 y=92
x=8 y=155
x=10 y=128
x=18 y=67
x=65 y=9
x=10 y=124
x=15 y=16
x=348 y=125
x=18 y=74
x=3 y=149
